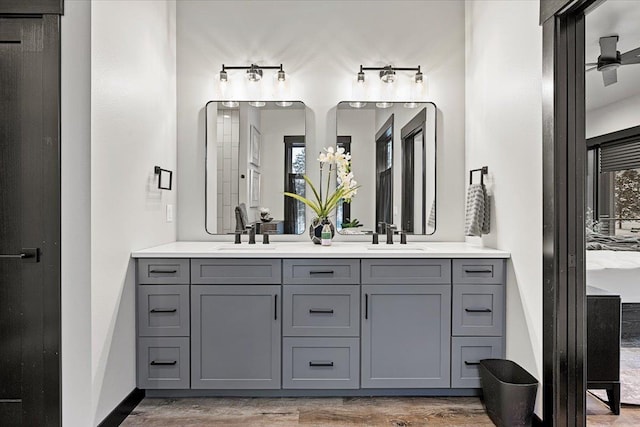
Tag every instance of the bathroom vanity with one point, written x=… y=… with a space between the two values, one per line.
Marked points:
x=295 y=319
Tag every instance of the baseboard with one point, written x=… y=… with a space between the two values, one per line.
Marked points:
x=122 y=411
x=536 y=421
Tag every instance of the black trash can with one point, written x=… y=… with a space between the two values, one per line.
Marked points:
x=509 y=392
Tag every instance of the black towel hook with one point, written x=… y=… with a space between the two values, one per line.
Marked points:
x=483 y=171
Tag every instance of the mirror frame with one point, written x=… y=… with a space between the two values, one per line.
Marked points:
x=435 y=155
x=206 y=159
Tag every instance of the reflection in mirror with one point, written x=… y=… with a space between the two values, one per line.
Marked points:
x=255 y=151
x=393 y=152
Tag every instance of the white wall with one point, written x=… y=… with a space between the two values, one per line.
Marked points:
x=504 y=132
x=322 y=45
x=75 y=58
x=133 y=128
x=613 y=117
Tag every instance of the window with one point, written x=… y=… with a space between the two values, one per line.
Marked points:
x=613 y=188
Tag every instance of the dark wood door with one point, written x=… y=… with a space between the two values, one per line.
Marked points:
x=29 y=221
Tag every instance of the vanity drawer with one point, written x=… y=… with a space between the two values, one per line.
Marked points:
x=236 y=271
x=478 y=310
x=163 y=271
x=321 y=310
x=321 y=363
x=321 y=271
x=466 y=353
x=406 y=271
x=163 y=310
x=163 y=363
x=483 y=271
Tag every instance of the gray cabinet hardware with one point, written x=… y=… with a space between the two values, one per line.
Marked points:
x=477 y=310
x=163 y=310
x=467 y=363
x=163 y=362
x=320 y=311
x=321 y=272
x=163 y=271
x=275 y=311
x=321 y=364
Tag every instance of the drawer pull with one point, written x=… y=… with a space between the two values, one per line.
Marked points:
x=163 y=362
x=320 y=311
x=471 y=363
x=163 y=310
x=312 y=272
x=163 y=271
x=325 y=364
x=473 y=270
x=366 y=306
x=477 y=310
x=275 y=303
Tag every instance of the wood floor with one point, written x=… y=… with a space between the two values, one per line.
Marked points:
x=337 y=412
x=320 y=412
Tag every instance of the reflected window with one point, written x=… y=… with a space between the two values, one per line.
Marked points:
x=294 y=169
x=343 y=210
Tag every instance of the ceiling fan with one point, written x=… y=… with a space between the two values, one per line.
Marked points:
x=610 y=59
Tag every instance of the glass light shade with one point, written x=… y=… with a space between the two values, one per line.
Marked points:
x=411 y=105
x=384 y=104
x=284 y=103
x=357 y=104
x=257 y=103
x=231 y=104
x=388 y=76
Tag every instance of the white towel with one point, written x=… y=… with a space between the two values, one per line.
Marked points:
x=477 y=212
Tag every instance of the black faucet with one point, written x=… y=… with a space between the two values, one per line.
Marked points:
x=390 y=230
x=237 y=240
x=265 y=237
x=252 y=234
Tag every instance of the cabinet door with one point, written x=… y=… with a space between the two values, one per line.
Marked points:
x=235 y=336
x=406 y=333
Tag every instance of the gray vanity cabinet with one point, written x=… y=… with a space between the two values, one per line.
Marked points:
x=235 y=336
x=406 y=332
x=297 y=326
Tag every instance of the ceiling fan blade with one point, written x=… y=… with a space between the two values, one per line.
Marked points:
x=609 y=77
x=608 y=49
x=590 y=69
x=631 y=57
x=590 y=64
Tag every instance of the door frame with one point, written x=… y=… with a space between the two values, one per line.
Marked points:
x=48 y=366
x=564 y=147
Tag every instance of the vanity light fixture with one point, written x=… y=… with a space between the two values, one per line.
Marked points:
x=254 y=71
x=388 y=73
x=257 y=103
x=411 y=105
x=284 y=103
x=384 y=104
x=231 y=104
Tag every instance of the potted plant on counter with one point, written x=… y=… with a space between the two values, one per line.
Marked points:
x=331 y=160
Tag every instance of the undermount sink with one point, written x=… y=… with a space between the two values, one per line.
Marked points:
x=247 y=247
x=404 y=248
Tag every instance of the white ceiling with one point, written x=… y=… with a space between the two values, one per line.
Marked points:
x=611 y=18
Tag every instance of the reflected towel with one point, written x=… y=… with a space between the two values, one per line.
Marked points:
x=477 y=211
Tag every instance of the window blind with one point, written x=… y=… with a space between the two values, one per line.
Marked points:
x=619 y=157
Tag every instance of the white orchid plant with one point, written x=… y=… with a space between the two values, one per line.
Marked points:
x=347 y=187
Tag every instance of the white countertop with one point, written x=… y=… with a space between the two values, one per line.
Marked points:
x=309 y=250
